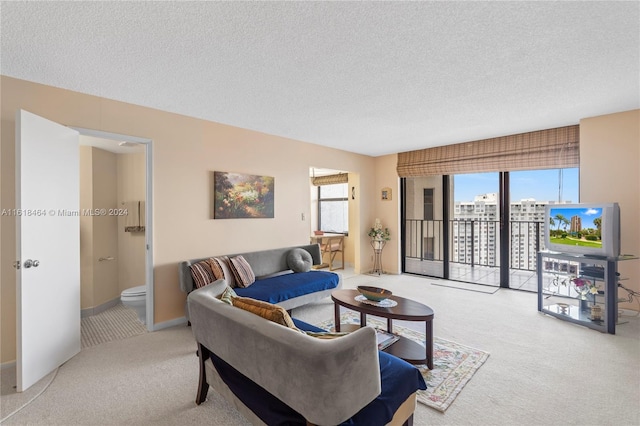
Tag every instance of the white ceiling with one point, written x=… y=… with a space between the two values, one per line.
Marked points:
x=367 y=77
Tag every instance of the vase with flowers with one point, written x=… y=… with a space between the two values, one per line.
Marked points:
x=585 y=288
x=378 y=234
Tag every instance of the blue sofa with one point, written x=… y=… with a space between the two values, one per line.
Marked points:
x=275 y=282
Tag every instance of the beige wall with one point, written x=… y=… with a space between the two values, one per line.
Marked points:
x=98 y=234
x=388 y=211
x=353 y=247
x=86 y=228
x=131 y=245
x=105 y=227
x=610 y=172
x=186 y=151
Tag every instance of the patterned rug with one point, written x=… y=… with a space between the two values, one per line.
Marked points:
x=453 y=364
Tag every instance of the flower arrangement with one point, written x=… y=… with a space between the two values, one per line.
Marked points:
x=583 y=286
x=379 y=233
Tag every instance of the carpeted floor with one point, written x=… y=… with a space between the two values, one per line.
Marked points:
x=467 y=286
x=541 y=371
x=116 y=323
x=454 y=364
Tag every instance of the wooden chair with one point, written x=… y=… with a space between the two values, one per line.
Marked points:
x=332 y=245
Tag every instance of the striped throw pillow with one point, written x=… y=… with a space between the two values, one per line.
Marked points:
x=242 y=271
x=221 y=270
x=202 y=274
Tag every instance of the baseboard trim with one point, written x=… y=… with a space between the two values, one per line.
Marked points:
x=89 y=312
x=167 y=324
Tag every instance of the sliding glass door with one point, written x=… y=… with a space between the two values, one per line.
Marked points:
x=424 y=226
x=483 y=228
x=475 y=228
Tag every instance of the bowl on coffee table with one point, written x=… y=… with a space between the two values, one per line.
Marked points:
x=375 y=294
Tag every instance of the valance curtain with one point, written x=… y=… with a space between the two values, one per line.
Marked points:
x=330 y=179
x=544 y=149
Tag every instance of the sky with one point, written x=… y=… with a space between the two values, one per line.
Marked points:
x=586 y=215
x=541 y=185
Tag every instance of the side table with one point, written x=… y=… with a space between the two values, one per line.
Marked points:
x=378 y=246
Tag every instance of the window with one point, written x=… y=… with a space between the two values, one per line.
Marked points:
x=333 y=208
x=428 y=203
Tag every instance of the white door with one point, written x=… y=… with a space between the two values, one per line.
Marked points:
x=48 y=247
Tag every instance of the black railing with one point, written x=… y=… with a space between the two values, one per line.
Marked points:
x=526 y=240
x=423 y=239
x=474 y=242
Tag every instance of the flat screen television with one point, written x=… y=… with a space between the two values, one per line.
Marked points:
x=590 y=229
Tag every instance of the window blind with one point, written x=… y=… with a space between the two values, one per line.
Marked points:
x=330 y=179
x=544 y=149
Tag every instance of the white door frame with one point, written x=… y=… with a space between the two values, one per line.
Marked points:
x=149 y=208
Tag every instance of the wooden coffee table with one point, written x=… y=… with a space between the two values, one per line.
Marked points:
x=408 y=310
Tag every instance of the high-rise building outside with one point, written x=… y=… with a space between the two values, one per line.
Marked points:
x=476 y=231
x=576 y=224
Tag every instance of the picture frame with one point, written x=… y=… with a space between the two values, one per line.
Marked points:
x=242 y=196
x=385 y=194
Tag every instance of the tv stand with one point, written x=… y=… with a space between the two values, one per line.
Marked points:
x=560 y=297
x=594 y=256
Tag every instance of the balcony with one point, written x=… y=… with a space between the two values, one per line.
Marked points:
x=474 y=251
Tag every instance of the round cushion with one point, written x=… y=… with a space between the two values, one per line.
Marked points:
x=299 y=260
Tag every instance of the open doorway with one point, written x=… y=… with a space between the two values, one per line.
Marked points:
x=334 y=211
x=115 y=236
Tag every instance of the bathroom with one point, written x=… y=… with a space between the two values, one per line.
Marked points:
x=112 y=239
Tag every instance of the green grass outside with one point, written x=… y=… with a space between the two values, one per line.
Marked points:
x=574 y=242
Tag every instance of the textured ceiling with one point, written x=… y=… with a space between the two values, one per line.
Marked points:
x=367 y=77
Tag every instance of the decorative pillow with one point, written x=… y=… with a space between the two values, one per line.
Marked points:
x=201 y=273
x=227 y=296
x=266 y=310
x=299 y=260
x=221 y=270
x=242 y=271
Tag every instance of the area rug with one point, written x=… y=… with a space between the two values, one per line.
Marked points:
x=453 y=364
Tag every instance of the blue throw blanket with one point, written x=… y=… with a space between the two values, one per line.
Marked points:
x=283 y=287
x=399 y=379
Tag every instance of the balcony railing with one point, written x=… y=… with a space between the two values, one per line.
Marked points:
x=474 y=242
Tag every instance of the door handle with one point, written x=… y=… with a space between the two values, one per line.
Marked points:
x=29 y=263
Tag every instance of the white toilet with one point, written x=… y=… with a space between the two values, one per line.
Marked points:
x=136 y=298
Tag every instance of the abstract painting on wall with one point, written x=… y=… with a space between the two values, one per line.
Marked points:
x=239 y=195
